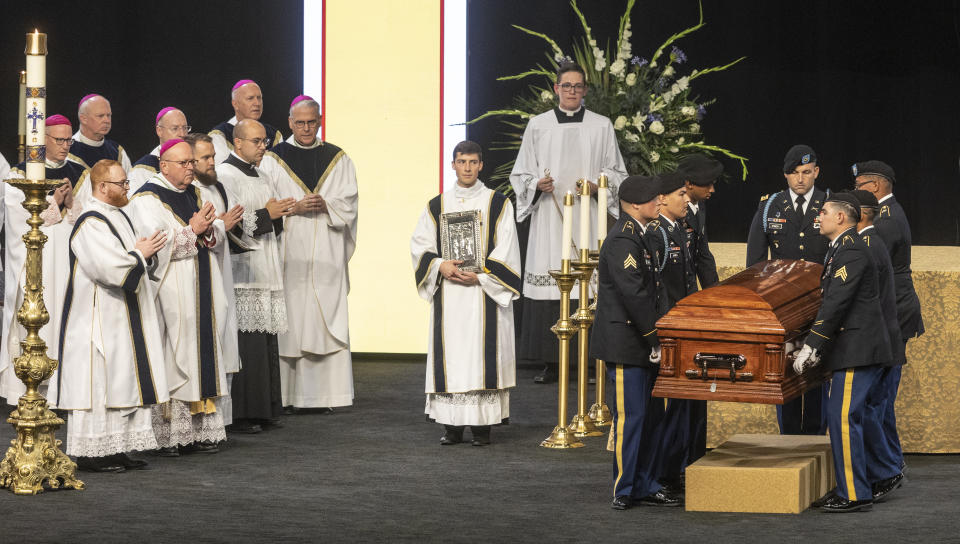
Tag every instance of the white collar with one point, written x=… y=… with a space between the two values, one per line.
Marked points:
x=888 y=197
x=667 y=219
x=568 y=112
x=94 y=201
x=233 y=120
x=156 y=151
x=293 y=141
x=83 y=139
x=50 y=164
x=166 y=184
x=694 y=207
x=865 y=229
x=468 y=192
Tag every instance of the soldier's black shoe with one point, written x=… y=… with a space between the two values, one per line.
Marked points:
x=481 y=435
x=623 y=502
x=548 y=375
x=662 y=498
x=819 y=502
x=452 y=435
x=883 y=488
x=839 y=505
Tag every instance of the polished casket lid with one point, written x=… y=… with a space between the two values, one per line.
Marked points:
x=778 y=297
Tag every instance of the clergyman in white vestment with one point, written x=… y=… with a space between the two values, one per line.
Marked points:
x=316 y=369
x=559 y=147
x=111 y=356
x=91 y=143
x=470 y=362
x=247 y=102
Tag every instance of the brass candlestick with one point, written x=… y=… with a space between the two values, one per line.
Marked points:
x=561 y=437
x=581 y=424
x=34 y=456
x=599 y=413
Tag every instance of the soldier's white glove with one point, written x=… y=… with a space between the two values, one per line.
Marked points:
x=655 y=355
x=805 y=358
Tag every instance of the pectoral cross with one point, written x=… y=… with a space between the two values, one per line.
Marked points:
x=35 y=116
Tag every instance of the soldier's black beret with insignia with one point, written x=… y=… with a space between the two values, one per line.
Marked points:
x=866 y=198
x=844 y=196
x=700 y=169
x=798 y=155
x=639 y=189
x=670 y=182
x=873 y=168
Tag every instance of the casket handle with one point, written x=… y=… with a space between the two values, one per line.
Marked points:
x=707 y=361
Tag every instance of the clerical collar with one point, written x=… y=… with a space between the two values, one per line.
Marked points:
x=464 y=193
x=241 y=165
x=888 y=197
x=83 y=139
x=564 y=116
x=865 y=229
x=694 y=207
x=156 y=151
x=293 y=141
x=233 y=120
x=166 y=184
x=667 y=219
x=50 y=164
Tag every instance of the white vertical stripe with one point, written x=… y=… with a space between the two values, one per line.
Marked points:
x=312 y=50
x=454 y=83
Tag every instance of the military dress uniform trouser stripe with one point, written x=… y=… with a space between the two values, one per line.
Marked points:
x=884 y=455
x=851 y=392
x=805 y=414
x=637 y=419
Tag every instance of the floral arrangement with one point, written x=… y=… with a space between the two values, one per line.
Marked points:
x=655 y=116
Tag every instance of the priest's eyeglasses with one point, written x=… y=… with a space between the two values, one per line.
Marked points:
x=122 y=183
x=178 y=128
x=183 y=164
x=567 y=87
x=257 y=142
x=306 y=124
x=62 y=141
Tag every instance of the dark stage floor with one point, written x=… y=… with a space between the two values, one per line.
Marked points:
x=376 y=472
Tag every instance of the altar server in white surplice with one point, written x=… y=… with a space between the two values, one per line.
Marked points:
x=171 y=123
x=190 y=299
x=58 y=221
x=559 y=147
x=470 y=362
x=212 y=191
x=257 y=280
x=111 y=365
x=316 y=370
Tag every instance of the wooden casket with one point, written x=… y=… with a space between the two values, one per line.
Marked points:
x=730 y=342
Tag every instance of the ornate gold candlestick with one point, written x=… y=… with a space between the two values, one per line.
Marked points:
x=599 y=412
x=581 y=424
x=34 y=456
x=561 y=437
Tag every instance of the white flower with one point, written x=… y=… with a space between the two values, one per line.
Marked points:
x=638 y=121
x=600 y=64
x=653 y=64
x=674 y=149
x=680 y=141
x=593 y=43
x=618 y=67
x=621 y=92
x=694 y=127
x=683 y=83
x=654 y=156
x=546 y=96
x=631 y=79
x=558 y=57
x=656 y=127
x=620 y=123
x=656 y=104
x=689 y=111
x=668 y=71
x=631 y=137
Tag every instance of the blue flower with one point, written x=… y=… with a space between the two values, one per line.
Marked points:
x=701 y=111
x=639 y=62
x=654 y=117
x=677 y=55
x=659 y=84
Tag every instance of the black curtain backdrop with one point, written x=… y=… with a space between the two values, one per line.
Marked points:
x=856 y=80
x=143 y=56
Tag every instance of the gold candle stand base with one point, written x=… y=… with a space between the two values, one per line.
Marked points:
x=561 y=437
x=34 y=457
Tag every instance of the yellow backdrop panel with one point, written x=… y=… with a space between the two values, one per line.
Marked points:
x=383 y=108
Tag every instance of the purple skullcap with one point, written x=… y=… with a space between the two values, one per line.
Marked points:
x=88 y=97
x=57 y=119
x=165 y=111
x=168 y=144
x=242 y=82
x=300 y=99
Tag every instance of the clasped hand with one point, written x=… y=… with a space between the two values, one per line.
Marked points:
x=450 y=271
x=150 y=246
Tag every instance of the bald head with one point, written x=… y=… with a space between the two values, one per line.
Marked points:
x=250 y=141
x=96 y=118
x=247 y=101
x=172 y=125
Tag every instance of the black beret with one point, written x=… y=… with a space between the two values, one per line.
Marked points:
x=700 y=169
x=843 y=196
x=866 y=198
x=797 y=155
x=873 y=168
x=639 y=189
x=670 y=182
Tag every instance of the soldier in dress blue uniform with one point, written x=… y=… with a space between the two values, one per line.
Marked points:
x=625 y=335
x=892 y=226
x=700 y=174
x=788 y=225
x=851 y=334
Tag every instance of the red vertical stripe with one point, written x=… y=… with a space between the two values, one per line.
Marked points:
x=442 y=2
x=323 y=71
